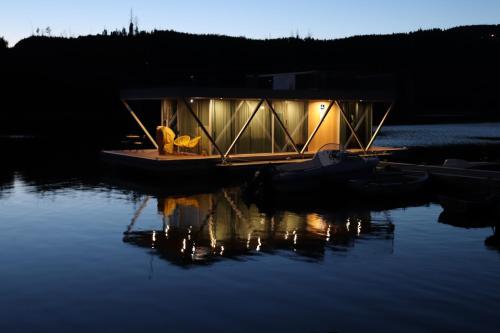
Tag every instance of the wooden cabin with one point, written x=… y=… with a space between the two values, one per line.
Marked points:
x=237 y=126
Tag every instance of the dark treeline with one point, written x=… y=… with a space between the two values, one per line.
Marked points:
x=70 y=86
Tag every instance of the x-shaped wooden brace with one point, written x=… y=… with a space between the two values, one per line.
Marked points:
x=198 y=121
x=353 y=131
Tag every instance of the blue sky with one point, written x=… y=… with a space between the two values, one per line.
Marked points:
x=251 y=18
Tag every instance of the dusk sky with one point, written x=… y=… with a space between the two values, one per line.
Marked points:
x=255 y=18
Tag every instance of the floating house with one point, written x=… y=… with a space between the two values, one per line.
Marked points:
x=214 y=127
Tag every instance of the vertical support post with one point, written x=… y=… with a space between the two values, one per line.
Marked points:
x=243 y=128
x=198 y=121
x=379 y=127
x=353 y=131
x=163 y=121
x=282 y=126
x=140 y=123
x=272 y=135
x=210 y=123
x=313 y=134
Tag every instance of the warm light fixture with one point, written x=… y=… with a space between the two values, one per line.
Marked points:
x=191 y=100
x=322 y=109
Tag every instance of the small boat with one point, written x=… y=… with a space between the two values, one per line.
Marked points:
x=329 y=167
x=462 y=164
x=390 y=183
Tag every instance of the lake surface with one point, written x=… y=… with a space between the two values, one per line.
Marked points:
x=439 y=135
x=81 y=252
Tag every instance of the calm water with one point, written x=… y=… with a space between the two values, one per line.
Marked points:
x=439 y=135
x=81 y=253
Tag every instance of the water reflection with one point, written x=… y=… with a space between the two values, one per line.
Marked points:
x=493 y=241
x=473 y=217
x=7 y=180
x=205 y=228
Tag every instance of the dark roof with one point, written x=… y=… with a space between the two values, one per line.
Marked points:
x=244 y=93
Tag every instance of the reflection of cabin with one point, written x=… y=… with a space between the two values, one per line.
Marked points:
x=259 y=125
x=202 y=228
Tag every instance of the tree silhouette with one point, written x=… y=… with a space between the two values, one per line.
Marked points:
x=429 y=72
x=3 y=43
x=131 y=29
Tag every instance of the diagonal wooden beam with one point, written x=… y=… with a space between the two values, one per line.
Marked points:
x=202 y=127
x=369 y=145
x=313 y=134
x=356 y=128
x=137 y=213
x=140 y=123
x=282 y=126
x=226 y=127
x=249 y=120
x=172 y=120
x=299 y=127
x=342 y=112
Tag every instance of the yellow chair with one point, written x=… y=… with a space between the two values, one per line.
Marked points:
x=165 y=137
x=169 y=146
x=182 y=141
x=193 y=142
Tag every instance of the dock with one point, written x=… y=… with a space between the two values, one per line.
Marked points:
x=179 y=166
x=455 y=178
x=148 y=160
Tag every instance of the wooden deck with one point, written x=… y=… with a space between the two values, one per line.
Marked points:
x=152 y=154
x=150 y=160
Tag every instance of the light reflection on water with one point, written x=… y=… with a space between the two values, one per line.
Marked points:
x=220 y=225
x=80 y=254
x=79 y=257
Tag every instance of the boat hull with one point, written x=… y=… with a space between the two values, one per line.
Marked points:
x=319 y=179
x=392 y=184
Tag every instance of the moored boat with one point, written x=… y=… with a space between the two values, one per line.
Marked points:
x=390 y=183
x=328 y=167
x=463 y=164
